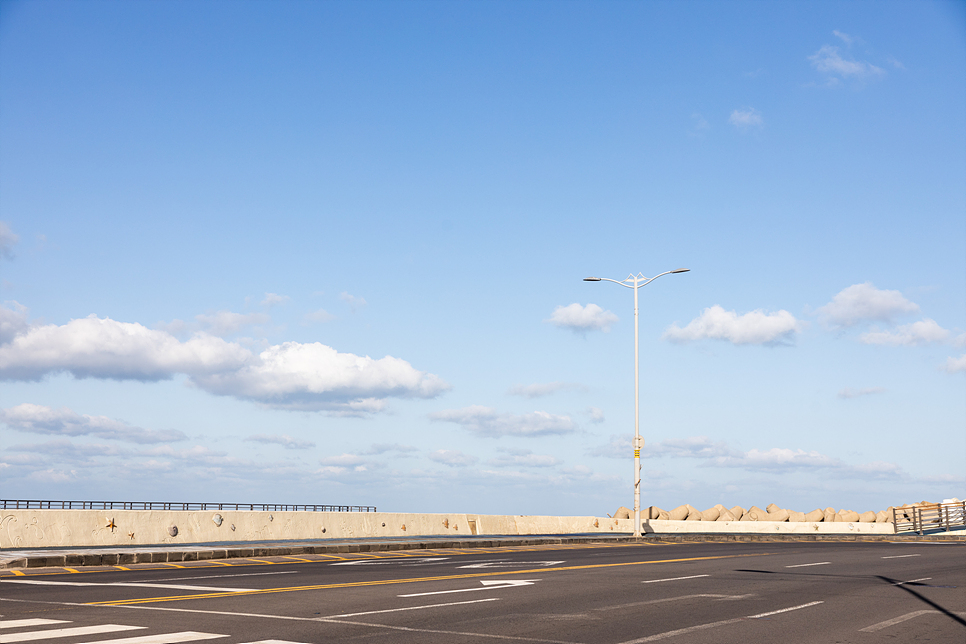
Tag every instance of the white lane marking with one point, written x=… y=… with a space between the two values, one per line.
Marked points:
x=167 y=638
x=383 y=562
x=784 y=610
x=488 y=584
x=396 y=610
x=899 y=620
x=65 y=632
x=23 y=623
x=273 y=642
x=900 y=556
x=243 y=574
x=911 y=581
x=701 y=627
x=820 y=563
x=654 y=581
x=130 y=584
x=299 y=619
x=511 y=564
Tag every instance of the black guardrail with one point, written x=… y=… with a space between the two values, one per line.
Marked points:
x=14 y=504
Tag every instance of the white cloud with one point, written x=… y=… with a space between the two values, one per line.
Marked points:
x=596 y=414
x=274 y=299
x=955 y=365
x=93 y=347
x=383 y=448
x=909 y=335
x=319 y=316
x=8 y=239
x=38 y=419
x=864 y=303
x=13 y=321
x=344 y=460
x=284 y=440
x=848 y=393
x=581 y=319
x=287 y=376
x=620 y=446
x=746 y=118
x=691 y=447
x=522 y=458
x=829 y=61
x=485 y=421
x=776 y=458
x=223 y=323
x=540 y=389
x=700 y=126
x=756 y=327
x=452 y=457
x=960 y=340
x=315 y=377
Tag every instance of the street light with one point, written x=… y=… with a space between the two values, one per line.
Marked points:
x=635 y=282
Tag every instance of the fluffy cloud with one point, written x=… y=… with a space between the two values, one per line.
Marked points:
x=287 y=376
x=522 y=458
x=344 y=460
x=485 y=421
x=353 y=301
x=540 y=389
x=756 y=327
x=13 y=321
x=38 y=419
x=581 y=319
x=596 y=414
x=8 y=239
x=830 y=61
x=452 y=457
x=93 y=347
x=284 y=440
x=746 y=118
x=317 y=377
x=865 y=303
x=955 y=365
x=384 y=448
x=856 y=393
x=923 y=332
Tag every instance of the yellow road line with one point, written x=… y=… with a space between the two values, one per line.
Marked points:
x=71 y=570
x=18 y=573
x=262 y=561
x=383 y=582
x=121 y=568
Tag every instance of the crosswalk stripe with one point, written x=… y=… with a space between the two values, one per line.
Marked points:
x=65 y=632
x=22 y=623
x=167 y=638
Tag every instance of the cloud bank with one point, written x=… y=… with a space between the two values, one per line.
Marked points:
x=38 y=419
x=581 y=319
x=485 y=421
x=756 y=327
x=292 y=375
x=865 y=303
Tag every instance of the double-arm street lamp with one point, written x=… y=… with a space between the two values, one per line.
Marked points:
x=635 y=282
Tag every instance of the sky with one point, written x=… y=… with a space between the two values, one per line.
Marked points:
x=332 y=253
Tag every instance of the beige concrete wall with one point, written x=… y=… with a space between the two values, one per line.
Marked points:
x=64 y=528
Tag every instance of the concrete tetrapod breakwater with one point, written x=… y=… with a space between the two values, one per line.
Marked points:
x=91 y=528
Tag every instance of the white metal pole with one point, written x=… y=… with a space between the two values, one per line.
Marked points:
x=637 y=421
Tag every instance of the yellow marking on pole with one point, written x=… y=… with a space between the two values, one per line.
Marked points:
x=384 y=582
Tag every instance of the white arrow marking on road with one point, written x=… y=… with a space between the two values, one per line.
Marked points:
x=511 y=564
x=488 y=584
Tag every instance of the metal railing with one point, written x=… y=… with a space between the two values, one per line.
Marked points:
x=13 y=504
x=937 y=516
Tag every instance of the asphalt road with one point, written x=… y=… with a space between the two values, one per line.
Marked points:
x=609 y=594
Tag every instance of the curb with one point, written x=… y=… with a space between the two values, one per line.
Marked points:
x=81 y=559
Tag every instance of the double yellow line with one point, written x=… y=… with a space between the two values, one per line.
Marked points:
x=384 y=582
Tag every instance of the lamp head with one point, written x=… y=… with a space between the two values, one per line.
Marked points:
x=591 y=279
x=681 y=270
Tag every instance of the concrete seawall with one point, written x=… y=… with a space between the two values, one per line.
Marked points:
x=68 y=528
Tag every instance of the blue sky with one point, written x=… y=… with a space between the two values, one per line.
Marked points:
x=332 y=252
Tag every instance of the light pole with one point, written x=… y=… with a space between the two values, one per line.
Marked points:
x=635 y=282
